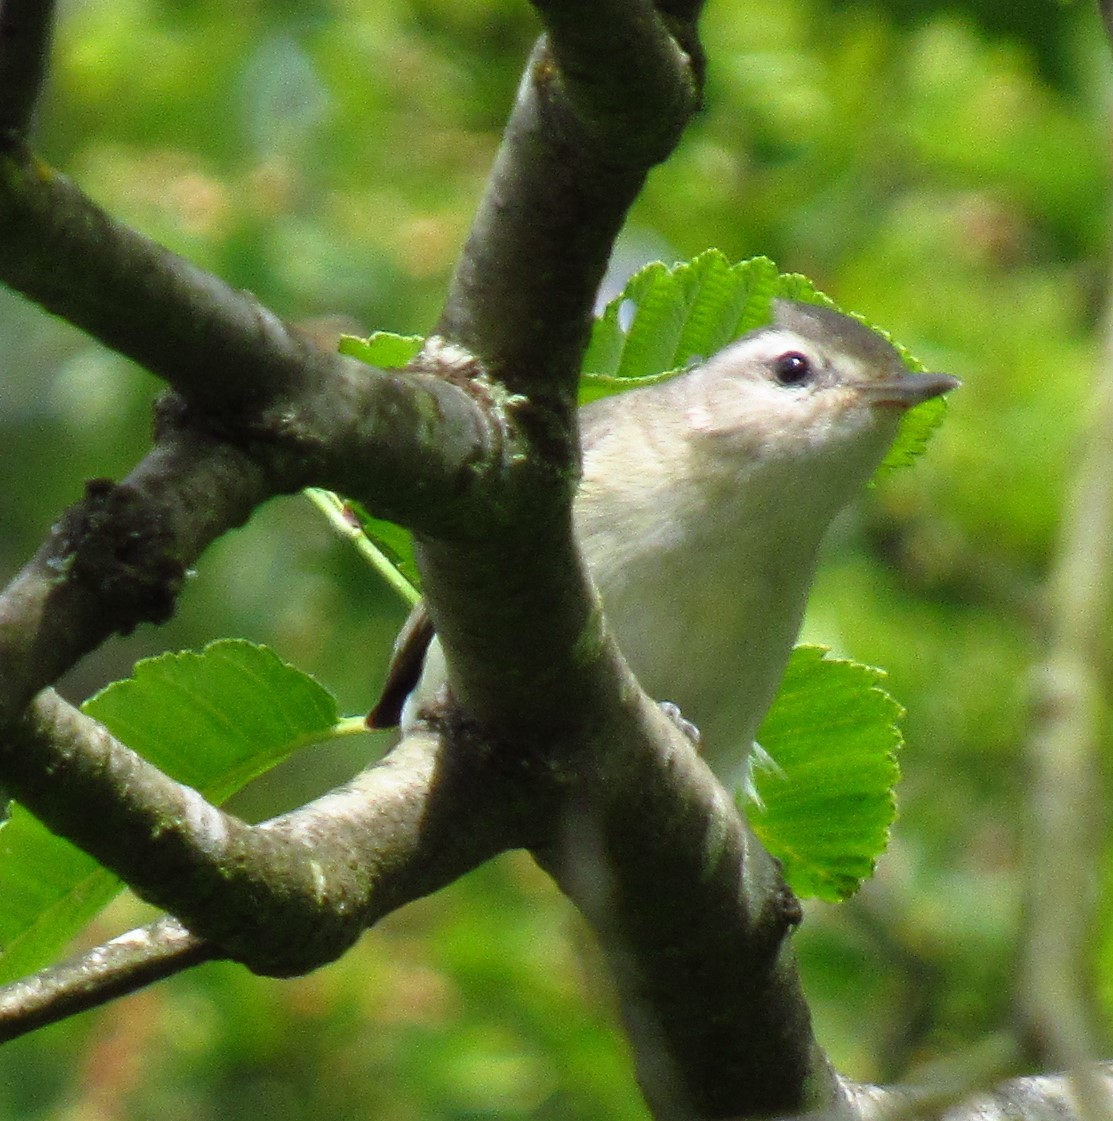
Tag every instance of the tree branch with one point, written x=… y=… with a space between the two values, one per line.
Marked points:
x=1068 y=817
x=119 y=967
x=692 y=914
x=229 y=356
x=573 y=762
x=1031 y=1098
x=119 y=557
x=521 y=301
x=573 y=158
x=293 y=893
x=25 y=32
x=624 y=73
x=695 y=921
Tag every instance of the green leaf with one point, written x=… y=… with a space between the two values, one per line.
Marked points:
x=826 y=811
x=669 y=317
x=49 y=890
x=382 y=349
x=395 y=543
x=214 y=720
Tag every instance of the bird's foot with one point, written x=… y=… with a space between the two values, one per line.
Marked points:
x=677 y=717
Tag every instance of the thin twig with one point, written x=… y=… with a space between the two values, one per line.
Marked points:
x=119 y=967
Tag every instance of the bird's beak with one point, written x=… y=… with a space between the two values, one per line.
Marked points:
x=906 y=390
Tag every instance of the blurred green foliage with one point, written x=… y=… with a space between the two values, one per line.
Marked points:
x=941 y=168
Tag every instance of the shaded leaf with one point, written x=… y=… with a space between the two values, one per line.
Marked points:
x=389 y=547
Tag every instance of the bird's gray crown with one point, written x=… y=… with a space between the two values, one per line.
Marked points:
x=829 y=328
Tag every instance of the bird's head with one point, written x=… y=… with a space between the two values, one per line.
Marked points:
x=815 y=388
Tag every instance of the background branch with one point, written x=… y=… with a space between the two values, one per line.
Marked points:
x=1068 y=828
x=1068 y=822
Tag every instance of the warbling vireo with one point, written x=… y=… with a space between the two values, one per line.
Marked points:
x=701 y=510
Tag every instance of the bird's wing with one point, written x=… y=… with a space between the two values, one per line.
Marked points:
x=407 y=660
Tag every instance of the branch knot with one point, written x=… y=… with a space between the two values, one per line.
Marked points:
x=110 y=543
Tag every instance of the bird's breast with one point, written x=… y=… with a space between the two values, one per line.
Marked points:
x=705 y=610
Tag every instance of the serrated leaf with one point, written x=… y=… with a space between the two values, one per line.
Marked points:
x=214 y=720
x=796 y=286
x=667 y=317
x=382 y=349
x=658 y=308
x=916 y=429
x=826 y=813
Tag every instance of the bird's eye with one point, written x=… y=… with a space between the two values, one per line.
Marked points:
x=792 y=368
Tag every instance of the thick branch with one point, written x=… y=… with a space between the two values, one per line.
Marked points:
x=695 y=922
x=574 y=156
x=25 y=27
x=604 y=98
x=219 y=347
x=692 y=914
x=624 y=73
x=119 y=558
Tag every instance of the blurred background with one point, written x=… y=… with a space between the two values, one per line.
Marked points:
x=939 y=167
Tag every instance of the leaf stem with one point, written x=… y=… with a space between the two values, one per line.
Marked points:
x=333 y=508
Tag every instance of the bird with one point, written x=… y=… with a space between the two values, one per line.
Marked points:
x=701 y=509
